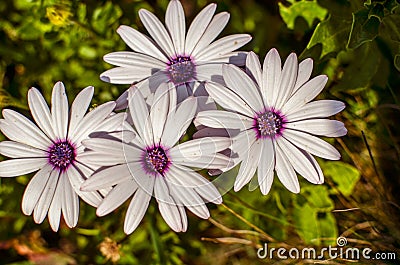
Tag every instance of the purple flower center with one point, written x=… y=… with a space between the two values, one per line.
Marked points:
x=268 y=124
x=61 y=155
x=181 y=69
x=155 y=160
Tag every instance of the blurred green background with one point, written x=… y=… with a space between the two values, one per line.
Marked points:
x=356 y=43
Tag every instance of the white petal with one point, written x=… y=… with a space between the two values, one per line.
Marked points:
x=187 y=178
x=140 y=42
x=315 y=109
x=77 y=174
x=122 y=101
x=248 y=166
x=70 y=203
x=183 y=176
x=323 y=127
x=211 y=132
x=315 y=165
x=271 y=75
x=312 y=144
x=210 y=161
x=200 y=147
x=141 y=64
x=117 y=196
x=175 y=22
x=300 y=163
x=178 y=121
x=306 y=93
x=209 y=72
x=223 y=119
x=138 y=206
x=285 y=172
x=159 y=111
x=265 y=172
x=157 y=31
x=304 y=73
x=237 y=58
x=214 y=28
x=228 y=99
x=42 y=206
x=21 y=166
x=253 y=68
x=34 y=189
x=125 y=152
x=223 y=46
x=198 y=27
x=15 y=150
x=140 y=116
x=91 y=120
x=79 y=107
x=40 y=112
x=209 y=193
x=240 y=83
x=114 y=125
x=241 y=144
x=109 y=177
x=59 y=110
x=191 y=200
x=205 y=103
x=168 y=206
x=98 y=159
x=286 y=82
x=18 y=128
x=123 y=75
x=54 y=213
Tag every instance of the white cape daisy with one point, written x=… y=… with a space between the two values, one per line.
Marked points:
x=277 y=122
x=153 y=163
x=52 y=147
x=172 y=55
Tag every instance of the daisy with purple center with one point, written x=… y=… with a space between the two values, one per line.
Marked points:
x=172 y=55
x=52 y=147
x=154 y=164
x=277 y=120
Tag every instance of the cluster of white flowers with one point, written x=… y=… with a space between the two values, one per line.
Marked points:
x=266 y=122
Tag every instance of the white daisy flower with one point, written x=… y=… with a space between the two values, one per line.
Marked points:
x=153 y=163
x=52 y=147
x=171 y=56
x=277 y=122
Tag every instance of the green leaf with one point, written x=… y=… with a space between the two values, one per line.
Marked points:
x=87 y=52
x=309 y=10
x=332 y=34
x=391 y=27
x=318 y=197
x=313 y=226
x=397 y=62
x=327 y=228
x=305 y=220
x=344 y=175
x=104 y=16
x=362 y=62
x=363 y=29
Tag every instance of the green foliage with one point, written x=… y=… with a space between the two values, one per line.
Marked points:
x=356 y=44
x=306 y=9
x=344 y=175
x=312 y=216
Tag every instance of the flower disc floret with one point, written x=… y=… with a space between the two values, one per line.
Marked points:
x=61 y=155
x=268 y=124
x=181 y=69
x=155 y=160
